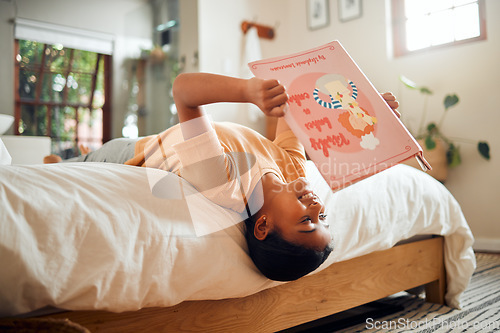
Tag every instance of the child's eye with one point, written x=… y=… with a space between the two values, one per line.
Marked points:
x=306 y=220
x=322 y=217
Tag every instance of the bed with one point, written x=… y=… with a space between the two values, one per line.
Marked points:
x=90 y=238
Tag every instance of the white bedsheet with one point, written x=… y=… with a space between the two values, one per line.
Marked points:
x=91 y=236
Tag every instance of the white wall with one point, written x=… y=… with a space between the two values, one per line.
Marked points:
x=470 y=70
x=189 y=39
x=129 y=21
x=222 y=44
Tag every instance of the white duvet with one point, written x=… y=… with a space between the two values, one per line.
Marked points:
x=92 y=236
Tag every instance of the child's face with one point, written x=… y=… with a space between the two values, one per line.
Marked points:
x=297 y=213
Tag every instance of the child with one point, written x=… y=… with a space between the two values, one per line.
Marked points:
x=237 y=168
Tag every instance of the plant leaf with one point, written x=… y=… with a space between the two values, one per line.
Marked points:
x=412 y=85
x=431 y=127
x=484 y=149
x=450 y=100
x=425 y=91
x=407 y=82
x=430 y=144
x=453 y=155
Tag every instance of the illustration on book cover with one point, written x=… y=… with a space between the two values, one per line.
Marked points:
x=342 y=105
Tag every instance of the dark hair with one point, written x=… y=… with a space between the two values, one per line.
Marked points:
x=279 y=259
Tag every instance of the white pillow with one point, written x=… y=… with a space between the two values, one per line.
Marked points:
x=5 y=158
x=27 y=149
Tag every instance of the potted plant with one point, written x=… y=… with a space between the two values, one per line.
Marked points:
x=441 y=151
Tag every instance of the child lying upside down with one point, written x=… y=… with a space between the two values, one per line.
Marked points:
x=237 y=168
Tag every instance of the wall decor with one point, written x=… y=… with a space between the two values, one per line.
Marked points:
x=317 y=14
x=349 y=9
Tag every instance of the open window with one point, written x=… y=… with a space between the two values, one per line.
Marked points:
x=426 y=24
x=61 y=92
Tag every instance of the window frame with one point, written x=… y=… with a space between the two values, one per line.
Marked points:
x=37 y=102
x=399 y=30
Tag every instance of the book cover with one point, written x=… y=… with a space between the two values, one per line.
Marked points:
x=345 y=125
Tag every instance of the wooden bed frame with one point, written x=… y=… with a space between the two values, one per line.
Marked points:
x=339 y=287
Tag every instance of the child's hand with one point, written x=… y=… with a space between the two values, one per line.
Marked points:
x=392 y=102
x=268 y=95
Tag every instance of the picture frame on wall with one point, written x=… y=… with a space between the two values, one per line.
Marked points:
x=349 y=10
x=317 y=14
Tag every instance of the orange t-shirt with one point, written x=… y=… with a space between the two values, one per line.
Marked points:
x=225 y=164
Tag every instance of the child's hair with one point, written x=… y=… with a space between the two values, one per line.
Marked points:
x=279 y=259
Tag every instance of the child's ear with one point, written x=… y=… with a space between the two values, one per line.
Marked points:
x=261 y=228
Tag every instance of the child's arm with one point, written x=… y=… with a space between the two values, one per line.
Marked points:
x=281 y=126
x=192 y=90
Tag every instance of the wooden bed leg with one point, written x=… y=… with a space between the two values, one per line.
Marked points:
x=435 y=290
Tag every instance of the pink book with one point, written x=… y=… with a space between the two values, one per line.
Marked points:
x=346 y=127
